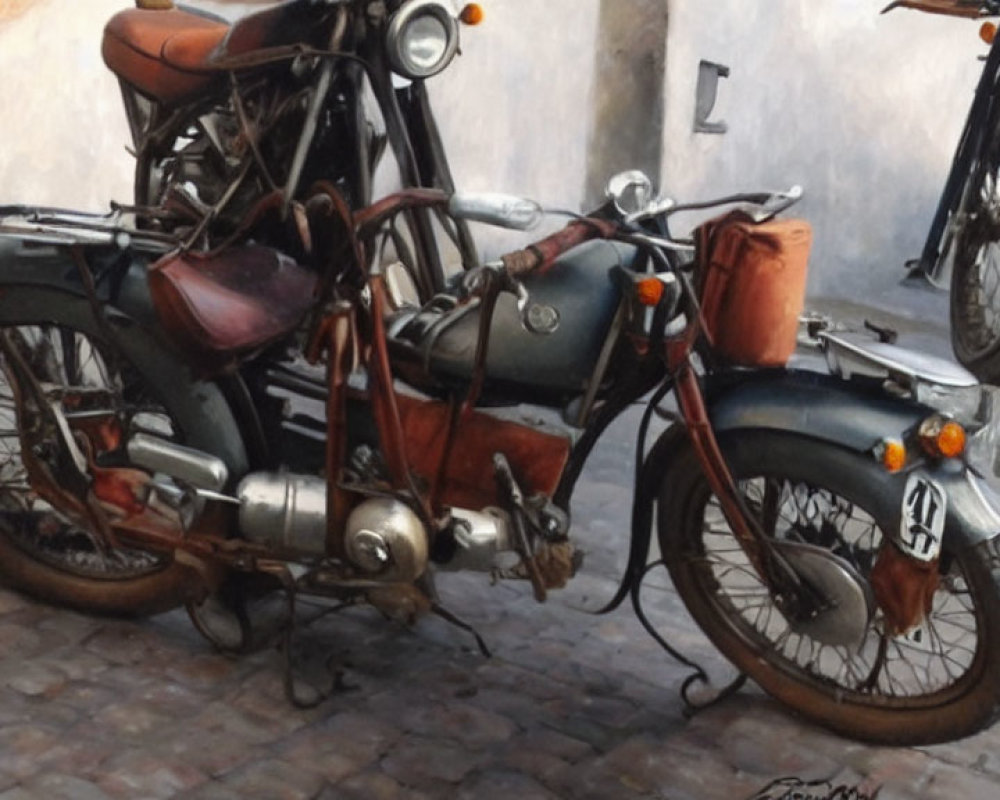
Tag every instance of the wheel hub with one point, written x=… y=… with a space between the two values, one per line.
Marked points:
x=849 y=602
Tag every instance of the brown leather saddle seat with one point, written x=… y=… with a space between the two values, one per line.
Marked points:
x=163 y=54
x=233 y=302
x=171 y=54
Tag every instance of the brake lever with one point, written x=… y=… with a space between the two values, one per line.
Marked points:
x=776 y=203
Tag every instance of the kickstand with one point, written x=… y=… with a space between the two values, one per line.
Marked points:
x=691 y=706
x=337 y=680
x=447 y=616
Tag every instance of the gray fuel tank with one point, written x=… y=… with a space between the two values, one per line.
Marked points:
x=580 y=286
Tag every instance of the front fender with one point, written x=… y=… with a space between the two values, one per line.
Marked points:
x=857 y=414
x=854 y=414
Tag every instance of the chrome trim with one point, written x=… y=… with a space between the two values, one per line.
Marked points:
x=397 y=27
x=59 y=228
x=284 y=511
x=502 y=210
x=846 y=357
x=199 y=469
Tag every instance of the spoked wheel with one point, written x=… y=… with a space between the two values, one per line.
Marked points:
x=43 y=550
x=939 y=681
x=975 y=281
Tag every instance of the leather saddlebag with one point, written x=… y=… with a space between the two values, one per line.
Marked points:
x=752 y=284
x=221 y=305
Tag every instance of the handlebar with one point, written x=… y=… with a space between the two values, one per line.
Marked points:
x=540 y=255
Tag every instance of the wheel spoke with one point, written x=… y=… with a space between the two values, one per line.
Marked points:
x=896 y=668
x=67 y=363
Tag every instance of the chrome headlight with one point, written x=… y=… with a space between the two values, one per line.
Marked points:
x=422 y=38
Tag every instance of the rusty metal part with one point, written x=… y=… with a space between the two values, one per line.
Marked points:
x=540 y=256
x=402 y=602
x=341 y=355
x=795 y=594
x=557 y=562
x=40 y=425
x=385 y=409
x=368 y=220
x=249 y=134
x=519 y=520
x=970 y=9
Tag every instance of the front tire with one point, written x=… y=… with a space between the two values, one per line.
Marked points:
x=939 y=683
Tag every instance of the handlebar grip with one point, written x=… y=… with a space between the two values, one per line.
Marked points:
x=541 y=255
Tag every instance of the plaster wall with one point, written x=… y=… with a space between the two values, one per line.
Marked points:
x=863 y=110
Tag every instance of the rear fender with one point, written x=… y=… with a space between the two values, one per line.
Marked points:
x=213 y=422
x=120 y=275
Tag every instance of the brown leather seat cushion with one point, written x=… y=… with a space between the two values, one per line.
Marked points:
x=230 y=303
x=164 y=54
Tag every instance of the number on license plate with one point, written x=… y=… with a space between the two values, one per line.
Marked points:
x=922 y=524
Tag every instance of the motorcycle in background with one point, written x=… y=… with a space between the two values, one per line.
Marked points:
x=963 y=245
x=234 y=124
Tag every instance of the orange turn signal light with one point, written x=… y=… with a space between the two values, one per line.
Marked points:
x=988 y=32
x=649 y=291
x=893 y=455
x=472 y=14
x=942 y=438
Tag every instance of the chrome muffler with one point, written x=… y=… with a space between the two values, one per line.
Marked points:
x=185 y=464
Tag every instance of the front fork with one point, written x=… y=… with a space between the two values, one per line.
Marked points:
x=795 y=595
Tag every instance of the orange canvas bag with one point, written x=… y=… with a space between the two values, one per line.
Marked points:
x=752 y=283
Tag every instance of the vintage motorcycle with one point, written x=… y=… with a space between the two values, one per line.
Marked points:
x=199 y=419
x=961 y=250
x=231 y=122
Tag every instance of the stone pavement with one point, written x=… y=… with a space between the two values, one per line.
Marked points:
x=570 y=705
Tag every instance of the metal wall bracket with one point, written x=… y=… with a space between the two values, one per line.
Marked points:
x=706 y=93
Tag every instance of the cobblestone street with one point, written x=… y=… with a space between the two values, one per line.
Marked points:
x=570 y=705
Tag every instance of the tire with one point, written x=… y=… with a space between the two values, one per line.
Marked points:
x=975 y=279
x=841 y=501
x=60 y=566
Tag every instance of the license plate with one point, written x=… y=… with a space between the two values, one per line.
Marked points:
x=922 y=523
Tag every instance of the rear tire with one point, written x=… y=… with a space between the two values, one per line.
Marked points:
x=974 y=300
x=46 y=565
x=942 y=686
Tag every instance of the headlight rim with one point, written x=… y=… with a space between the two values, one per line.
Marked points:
x=395 y=39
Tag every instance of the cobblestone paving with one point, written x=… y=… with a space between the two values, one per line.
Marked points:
x=570 y=705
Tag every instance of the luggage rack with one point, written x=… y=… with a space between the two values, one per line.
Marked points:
x=54 y=226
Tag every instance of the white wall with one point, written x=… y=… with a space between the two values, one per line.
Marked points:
x=62 y=129
x=863 y=110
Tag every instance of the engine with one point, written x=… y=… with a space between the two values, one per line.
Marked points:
x=383 y=538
